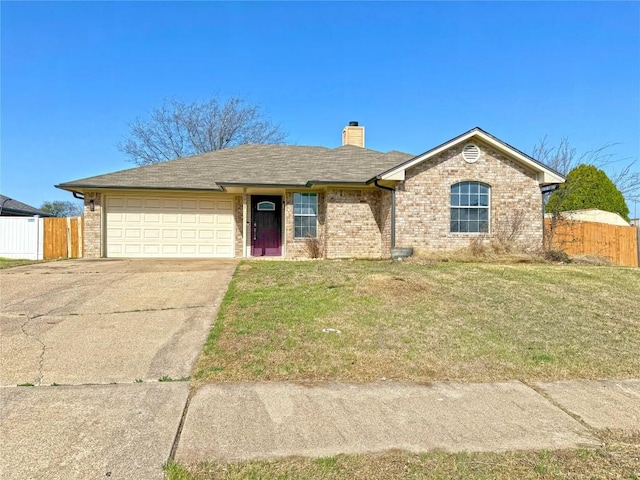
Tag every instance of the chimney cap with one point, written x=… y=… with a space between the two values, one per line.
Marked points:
x=353 y=123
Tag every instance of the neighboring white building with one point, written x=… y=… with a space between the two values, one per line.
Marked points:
x=596 y=216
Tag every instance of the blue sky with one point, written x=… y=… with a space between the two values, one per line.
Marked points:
x=414 y=74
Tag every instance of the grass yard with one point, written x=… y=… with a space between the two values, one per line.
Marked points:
x=424 y=322
x=619 y=459
x=12 y=262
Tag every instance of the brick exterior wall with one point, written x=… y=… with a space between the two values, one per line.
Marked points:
x=353 y=223
x=423 y=200
x=92 y=226
x=385 y=223
x=295 y=247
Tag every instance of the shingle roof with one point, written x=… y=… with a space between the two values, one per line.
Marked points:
x=252 y=165
x=10 y=205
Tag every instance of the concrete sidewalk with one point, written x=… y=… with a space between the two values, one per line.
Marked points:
x=123 y=431
x=235 y=422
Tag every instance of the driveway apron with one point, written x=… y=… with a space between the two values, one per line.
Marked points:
x=91 y=326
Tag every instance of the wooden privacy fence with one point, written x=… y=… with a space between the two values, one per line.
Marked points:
x=63 y=237
x=615 y=243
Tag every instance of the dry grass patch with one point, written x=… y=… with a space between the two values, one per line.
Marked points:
x=425 y=321
x=619 y=459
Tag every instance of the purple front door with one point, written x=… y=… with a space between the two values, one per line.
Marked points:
x=266 y=226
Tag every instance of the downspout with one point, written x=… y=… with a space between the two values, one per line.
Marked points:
x=77 y=195
x=393 y=211
x=547 y=189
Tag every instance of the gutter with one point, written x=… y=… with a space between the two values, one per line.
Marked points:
x=393 y=210
x=546 y=190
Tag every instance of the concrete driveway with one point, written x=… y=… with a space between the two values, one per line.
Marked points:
x=84 y=321
x=105 y=331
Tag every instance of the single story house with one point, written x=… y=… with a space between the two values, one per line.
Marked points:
x=13 y=208
x=273 y=200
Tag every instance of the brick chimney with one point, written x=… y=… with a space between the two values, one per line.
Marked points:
x=353 y=135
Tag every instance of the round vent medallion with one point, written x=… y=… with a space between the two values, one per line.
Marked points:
x=471 y=153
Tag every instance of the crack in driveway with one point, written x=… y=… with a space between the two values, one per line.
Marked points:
x=135 y=310
x=42 y=344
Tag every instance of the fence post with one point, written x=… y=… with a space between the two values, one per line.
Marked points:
x=69 y=251
x=39 y=237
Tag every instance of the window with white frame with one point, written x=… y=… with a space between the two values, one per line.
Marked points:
x=305 y=215
x=470 y=207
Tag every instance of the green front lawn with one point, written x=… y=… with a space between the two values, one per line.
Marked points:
x=618 y=459
x=424 y=322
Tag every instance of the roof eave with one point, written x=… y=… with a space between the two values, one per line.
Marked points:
x=81 y=187
x=335 y=182
x=26 y=213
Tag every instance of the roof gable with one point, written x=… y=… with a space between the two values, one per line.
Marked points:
x=546 y=175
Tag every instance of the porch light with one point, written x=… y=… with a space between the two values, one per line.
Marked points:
x=92 y=205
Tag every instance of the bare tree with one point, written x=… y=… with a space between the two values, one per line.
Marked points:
x=563 y=158
x=60 y=208
x=178 y=129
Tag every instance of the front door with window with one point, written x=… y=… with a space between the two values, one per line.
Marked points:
x=266 y=226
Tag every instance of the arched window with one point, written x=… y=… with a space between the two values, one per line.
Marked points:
x=470 y=207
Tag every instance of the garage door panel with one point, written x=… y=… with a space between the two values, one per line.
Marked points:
x=151 y=249
x=169 y=227
x=115 y=203
x=223 y=220
x=169 y=249
x=170 y=234
x=223 y=235
x=223 y=251
x=132 y=248
x=170 y=204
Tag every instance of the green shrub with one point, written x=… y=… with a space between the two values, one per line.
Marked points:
x=588 y=187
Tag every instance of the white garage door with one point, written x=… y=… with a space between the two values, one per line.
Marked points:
x=169 y=226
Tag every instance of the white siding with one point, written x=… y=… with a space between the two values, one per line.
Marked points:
x=21 y=237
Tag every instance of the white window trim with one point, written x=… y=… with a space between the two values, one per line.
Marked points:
x=304 y=214
x=488 y=207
